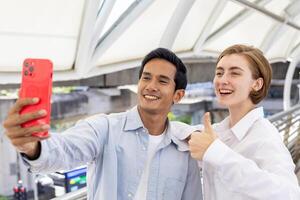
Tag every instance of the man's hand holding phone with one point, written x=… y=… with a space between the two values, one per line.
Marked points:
x=28 y=120
x=22 y=137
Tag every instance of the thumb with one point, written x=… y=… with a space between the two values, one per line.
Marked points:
x=207 y=124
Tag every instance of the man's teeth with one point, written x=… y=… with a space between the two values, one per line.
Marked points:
x=151 y=97
x=225 y=91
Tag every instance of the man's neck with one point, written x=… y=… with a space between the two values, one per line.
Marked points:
x=155 y=123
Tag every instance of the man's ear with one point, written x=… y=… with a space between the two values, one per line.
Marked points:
x=258 y=84
x=178 y=95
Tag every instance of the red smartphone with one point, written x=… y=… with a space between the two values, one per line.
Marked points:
x=37 y=82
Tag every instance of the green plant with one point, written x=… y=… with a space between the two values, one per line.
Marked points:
x=182 y=118
x=3 y=198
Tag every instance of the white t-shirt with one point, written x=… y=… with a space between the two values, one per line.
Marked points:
x=154 y=141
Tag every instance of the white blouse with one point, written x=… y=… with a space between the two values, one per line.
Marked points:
x=248 y=161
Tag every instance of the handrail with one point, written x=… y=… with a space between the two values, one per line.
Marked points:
x=288 y=124
x=280 y=115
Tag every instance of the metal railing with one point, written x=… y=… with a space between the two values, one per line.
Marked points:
x=288 y=124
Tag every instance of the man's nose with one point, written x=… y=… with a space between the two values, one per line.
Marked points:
x=152 y=85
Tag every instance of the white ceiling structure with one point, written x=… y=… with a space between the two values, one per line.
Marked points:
x=85 y=38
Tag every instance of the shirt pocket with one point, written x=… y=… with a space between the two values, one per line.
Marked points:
x=173 y=189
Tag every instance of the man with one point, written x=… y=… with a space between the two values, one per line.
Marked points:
x=130 y=155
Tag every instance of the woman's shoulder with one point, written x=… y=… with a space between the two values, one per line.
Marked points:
x=265 y=129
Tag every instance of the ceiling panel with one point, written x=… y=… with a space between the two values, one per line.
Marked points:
x=53 y=29
x=142 y=35
x=193 y=25
x=39 y=28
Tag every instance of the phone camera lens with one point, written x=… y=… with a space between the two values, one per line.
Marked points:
x=26 y=73
x=26 y=64
x=31 y=68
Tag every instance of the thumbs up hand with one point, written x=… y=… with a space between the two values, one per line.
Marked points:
x=200 y=141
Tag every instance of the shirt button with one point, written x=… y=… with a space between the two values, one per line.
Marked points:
x=136 y=133
x=144 y=148
x=129 y=195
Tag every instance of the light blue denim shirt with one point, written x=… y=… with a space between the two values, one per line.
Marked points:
x=115 y=149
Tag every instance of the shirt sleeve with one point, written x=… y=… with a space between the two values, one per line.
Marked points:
x=268 y=176
x=182 y=131
x=193 y=185
x=74 y=147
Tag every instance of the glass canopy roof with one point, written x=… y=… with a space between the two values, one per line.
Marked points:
x=85 y=38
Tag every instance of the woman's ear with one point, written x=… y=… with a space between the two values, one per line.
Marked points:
x=258 y=84
x=178 y=95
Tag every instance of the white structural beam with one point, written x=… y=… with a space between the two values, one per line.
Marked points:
x=102 y=17
x=121 y=25
x=83 y=55
x=91 y=33
x=291 y=11
x=268 y=13
x=235 y=20
x=175 y=23
x=275 y=32
x=291 y=44
x=289 y=77
x=220 y=5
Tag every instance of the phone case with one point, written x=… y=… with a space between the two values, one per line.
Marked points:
x=37 y=82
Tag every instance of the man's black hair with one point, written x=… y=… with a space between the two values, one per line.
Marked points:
x=165 y=54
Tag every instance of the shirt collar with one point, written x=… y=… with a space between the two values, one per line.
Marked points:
x=172 y=129
x=170 y=137
x=133 y=120
x=241 y=128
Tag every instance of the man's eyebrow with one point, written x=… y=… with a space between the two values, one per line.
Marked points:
x=146 y=73
x=164 y=77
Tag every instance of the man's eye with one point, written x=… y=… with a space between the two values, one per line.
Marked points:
x=219 y=73
x=146 y=78
x=163 y=81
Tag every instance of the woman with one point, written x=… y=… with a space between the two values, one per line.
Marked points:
x=243 y=157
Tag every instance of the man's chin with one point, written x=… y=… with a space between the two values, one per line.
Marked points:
x=150 y=109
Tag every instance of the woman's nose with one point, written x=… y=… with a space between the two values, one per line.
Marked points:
x=224 y=79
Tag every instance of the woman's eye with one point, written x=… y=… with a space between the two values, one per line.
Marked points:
x=235 y=73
